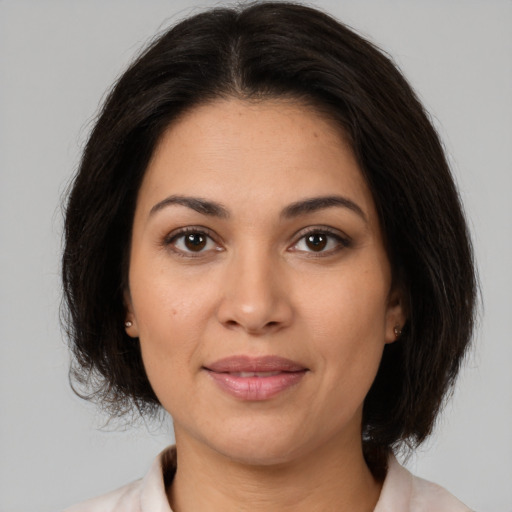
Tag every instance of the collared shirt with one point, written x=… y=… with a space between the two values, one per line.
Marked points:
x=401 y=492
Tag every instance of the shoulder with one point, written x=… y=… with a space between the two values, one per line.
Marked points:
x=430 y=496
x=145 y=495
x=125 y=499
x=403 y=492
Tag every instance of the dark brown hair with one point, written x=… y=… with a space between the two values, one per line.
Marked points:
x=259 y=51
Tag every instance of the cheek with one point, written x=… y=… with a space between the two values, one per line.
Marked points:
x=169 y=313
x=352 y=304
x=348 y=322
x=164 y=300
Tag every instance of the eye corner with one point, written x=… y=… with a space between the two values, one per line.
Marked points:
x=329 y=241
x=182 y=243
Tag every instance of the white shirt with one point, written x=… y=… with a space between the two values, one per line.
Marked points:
x=401 y=492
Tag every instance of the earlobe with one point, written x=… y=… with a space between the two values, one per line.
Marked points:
x=130 y=325
x=396 y=317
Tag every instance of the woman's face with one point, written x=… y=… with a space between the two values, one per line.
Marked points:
x=259 y=285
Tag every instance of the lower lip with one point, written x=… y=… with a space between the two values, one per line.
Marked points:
x=256 y=388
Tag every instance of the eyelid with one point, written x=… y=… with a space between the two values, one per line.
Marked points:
x=344 y=240
x=170 y=239
x=175 y=233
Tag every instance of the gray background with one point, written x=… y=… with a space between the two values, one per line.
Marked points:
x=57 y=58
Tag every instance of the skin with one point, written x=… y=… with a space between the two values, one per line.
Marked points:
x=258 y=288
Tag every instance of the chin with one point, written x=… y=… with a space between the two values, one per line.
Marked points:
x=259 y=453
x=255 y=446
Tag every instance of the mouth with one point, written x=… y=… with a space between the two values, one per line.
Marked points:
x=254 y=374
x=255 y=378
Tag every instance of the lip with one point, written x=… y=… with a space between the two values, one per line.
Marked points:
x=235 y=376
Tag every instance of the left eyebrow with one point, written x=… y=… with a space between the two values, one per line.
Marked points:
x=320 y=203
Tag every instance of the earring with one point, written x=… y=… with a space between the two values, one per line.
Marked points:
x=128 y=323
x=397 y=331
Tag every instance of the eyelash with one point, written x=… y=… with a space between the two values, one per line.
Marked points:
x=342 y=242
x=172 y=239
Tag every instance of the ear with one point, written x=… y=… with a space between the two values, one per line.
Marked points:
x=396 y=315
x=130 y=321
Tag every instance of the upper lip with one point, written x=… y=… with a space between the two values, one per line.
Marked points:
x=243 y=363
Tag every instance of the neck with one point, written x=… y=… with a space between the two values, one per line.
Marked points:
x=330 y=478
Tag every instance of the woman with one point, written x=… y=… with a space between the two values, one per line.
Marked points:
x=265 y=240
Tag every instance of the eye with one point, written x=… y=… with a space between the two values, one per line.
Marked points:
x=321 y=241
x=189 y=241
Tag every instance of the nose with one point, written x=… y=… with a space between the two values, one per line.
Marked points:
x=255 y=296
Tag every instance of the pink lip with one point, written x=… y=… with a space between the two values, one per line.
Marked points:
x=279 y=374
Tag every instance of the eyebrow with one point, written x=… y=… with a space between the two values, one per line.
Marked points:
x=198 y=204
x=304 y=207
x=320 y=203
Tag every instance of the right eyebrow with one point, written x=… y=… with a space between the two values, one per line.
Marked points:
x=198 y=204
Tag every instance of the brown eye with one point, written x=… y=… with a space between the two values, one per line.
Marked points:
x=192 y=242
x=321 y=242
x=195 y=241
x=316 y=241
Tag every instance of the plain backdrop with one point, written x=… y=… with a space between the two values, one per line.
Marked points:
x=57 y=59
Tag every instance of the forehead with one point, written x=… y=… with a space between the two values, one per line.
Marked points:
x=273 y=151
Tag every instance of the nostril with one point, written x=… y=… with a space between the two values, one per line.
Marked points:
x=257 y=314
x=233 y=324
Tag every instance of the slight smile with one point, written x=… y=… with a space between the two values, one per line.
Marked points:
x=255 y=378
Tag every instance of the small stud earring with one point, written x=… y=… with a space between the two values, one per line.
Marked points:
x=397 y=331
x=128 y=323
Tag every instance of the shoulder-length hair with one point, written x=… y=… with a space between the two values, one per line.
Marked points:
x=268 y=50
